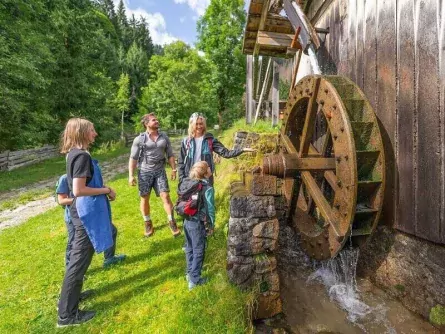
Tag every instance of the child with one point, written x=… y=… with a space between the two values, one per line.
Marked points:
x=64 y=199
x=195 y=226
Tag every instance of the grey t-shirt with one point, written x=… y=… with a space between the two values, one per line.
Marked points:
x=154 y=152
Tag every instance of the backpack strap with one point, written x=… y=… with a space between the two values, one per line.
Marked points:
x=142 y=140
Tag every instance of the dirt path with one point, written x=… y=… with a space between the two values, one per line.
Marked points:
x=22 y=213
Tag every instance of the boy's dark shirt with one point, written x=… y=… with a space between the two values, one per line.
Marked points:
x=78 y=164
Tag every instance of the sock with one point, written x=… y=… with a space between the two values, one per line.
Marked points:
x=146 y=218
x=170 y=218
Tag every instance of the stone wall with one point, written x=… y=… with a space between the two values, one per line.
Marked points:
x=409 y=268
x=252 y=241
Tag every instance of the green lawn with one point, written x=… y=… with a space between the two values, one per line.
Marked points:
x=48 y=168
x=147 y=293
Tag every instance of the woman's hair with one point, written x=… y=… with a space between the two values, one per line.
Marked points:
x=75 y=134
x=199 y=170
x=192 y=123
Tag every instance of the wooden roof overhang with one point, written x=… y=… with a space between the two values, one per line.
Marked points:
x=270 y=34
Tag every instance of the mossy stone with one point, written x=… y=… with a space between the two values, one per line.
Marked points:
x=437 y=315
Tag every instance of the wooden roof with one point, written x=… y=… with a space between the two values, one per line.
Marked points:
x=270 y=33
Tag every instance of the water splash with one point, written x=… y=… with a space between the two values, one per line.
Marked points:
x=338 y=275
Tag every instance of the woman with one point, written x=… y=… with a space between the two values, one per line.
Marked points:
x=195 y=226
x=90 y=214
x=199 y=146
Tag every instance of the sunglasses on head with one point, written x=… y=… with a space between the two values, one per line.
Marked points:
x=196 y=115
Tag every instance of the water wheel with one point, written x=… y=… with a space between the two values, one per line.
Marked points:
x=332 y=162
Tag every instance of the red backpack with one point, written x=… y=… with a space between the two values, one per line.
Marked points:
x=189 y=200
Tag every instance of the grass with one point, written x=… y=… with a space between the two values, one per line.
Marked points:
x=145 y=294
x=46 y=169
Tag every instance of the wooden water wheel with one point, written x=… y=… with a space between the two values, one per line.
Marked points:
x=332 y=162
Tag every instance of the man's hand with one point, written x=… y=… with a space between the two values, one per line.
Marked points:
x=173 y=175
x=132 y=181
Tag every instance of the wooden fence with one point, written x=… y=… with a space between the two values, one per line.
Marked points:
x=10 y=160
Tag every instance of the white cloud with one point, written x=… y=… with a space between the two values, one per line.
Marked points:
x=156 y=23
x=199 y=6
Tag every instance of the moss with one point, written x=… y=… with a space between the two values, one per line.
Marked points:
x=437 y=315
x=400 y=287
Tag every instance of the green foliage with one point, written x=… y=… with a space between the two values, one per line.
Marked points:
x=62 y=59
x=283 y=89
x=437 y=315
x=220 y=32
x=180 y=84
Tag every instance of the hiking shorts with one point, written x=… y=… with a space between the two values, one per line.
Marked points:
x=156 y=180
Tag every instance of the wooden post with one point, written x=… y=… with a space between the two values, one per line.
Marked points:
x=249 y=90
x=266 y=79
x=275 y=93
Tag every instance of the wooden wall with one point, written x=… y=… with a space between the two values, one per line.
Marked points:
x=394 y=50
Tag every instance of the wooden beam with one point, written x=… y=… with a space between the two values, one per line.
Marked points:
x=313 y=164
x=266 y=79
x=275 y=93
x=311 y=115
x=267 y=38
x=261 y=25
x=297 y=18
x=249 y=89
x=321 y=202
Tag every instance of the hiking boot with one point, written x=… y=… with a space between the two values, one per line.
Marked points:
x=113 y=260
x=80 y=318
x=201 y=281
x=149 y=230
x=174 y=228
x=86 y=294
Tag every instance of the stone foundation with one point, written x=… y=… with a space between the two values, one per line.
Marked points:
x=409 y=268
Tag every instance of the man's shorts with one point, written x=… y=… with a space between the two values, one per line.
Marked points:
x=157 y=180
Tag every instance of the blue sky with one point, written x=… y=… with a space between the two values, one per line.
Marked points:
x=169 y=20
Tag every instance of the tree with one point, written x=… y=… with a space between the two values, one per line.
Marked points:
x=137 y=68
x=180 y=84
x=122 y=100
x=220 y=32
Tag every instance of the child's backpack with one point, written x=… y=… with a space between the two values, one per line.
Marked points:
x=189 y=199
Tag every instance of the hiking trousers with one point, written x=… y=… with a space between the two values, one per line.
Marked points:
x=109 y=253
x=80 y=258
x=195 y=244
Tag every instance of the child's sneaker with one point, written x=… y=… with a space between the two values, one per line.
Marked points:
x=201 y=281
x=113 y=260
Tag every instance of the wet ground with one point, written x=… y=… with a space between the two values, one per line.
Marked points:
x=326 y=297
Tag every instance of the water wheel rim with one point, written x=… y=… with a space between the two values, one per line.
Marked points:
x=319 y=92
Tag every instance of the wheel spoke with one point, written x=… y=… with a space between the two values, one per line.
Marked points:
x=320 y=201
x=309 y=122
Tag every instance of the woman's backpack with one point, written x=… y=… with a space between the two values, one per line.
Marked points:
x=189 y=199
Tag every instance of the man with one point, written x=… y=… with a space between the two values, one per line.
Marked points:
x=148 y=152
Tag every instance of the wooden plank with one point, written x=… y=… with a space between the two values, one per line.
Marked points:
x=320 y=201
x=428 y=135
x=441 y=36
x=249 y=89
x=298 y=19
x=352 y=26
x=359 y=44
x=309 y=120
x=406 y=113
x=262 y=22
x=275 y=92
x=313 y=164
x=386 y=97
x=265 y=38
x=370 y=52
